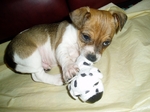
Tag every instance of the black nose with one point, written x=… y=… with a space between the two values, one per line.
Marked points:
x=95 y=98
x=91 y=57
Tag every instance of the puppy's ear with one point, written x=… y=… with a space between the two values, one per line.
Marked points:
x=79 y=16
x=120 y=19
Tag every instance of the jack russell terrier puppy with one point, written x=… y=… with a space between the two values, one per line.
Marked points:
x=44 y=46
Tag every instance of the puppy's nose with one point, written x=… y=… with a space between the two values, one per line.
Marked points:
x=91 y=57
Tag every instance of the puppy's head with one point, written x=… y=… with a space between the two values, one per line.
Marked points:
x=96 y=29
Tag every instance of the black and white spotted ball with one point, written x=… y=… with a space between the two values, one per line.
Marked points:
x=87 y=84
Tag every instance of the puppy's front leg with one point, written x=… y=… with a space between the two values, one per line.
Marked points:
x=66 y=57
x=69 y=70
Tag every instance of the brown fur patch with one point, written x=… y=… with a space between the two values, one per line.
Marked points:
x=60 y=31
x=98 y=25
x=25 y=43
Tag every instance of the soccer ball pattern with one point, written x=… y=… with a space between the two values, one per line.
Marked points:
x=87 y=84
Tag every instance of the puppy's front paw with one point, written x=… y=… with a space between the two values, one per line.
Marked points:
x=70 y=71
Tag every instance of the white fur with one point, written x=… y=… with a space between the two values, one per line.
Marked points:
x=34 y=64
x=67 y=52
x=68 y=48
x=28 y=65
x=47 y=55
x=87 y=49
x=45 y=58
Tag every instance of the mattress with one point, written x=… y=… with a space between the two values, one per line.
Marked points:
x=125 y=65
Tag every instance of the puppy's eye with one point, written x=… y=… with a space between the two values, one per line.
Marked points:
x=86 y=38
x=106 y=43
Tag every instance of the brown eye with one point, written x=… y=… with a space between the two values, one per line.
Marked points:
x=86 y=38
x=106 y=43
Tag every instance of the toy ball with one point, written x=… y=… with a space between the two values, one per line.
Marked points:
x=87 y=84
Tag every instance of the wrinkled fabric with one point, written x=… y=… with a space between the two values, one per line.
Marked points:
x=125 y=66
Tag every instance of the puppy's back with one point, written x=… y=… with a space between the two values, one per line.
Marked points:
x=27 y=41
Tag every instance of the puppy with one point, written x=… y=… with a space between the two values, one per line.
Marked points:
x=41 y=47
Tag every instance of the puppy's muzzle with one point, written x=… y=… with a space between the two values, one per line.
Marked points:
x=91 y=57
